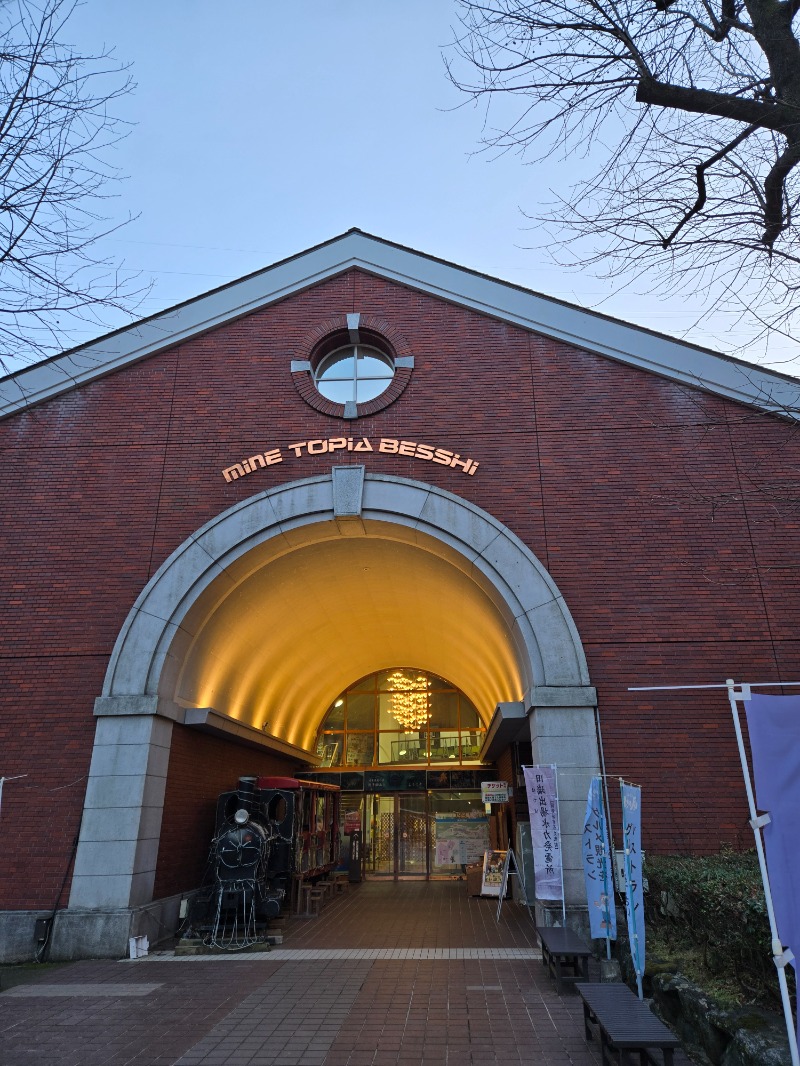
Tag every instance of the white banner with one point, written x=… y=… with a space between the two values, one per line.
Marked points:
x=540 y=782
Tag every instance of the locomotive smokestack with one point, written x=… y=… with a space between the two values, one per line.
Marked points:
x=246 y=793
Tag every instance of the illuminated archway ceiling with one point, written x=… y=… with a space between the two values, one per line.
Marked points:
x=289 y=627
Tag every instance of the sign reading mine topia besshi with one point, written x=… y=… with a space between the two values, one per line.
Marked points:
x=427 y=453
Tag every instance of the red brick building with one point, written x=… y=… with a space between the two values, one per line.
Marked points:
x=221 y=520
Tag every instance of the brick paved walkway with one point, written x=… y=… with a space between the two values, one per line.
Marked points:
x=389 y=974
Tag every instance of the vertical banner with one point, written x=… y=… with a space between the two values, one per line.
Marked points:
x=540 y=782
x=774 y=726
x=634 y=893
x=597 y=866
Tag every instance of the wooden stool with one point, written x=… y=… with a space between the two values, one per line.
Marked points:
x=328 y=889
x=340 y=880
x=314 y=897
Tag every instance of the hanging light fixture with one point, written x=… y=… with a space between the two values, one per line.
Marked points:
x=409 y=701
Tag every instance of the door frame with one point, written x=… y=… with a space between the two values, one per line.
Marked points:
x=395 y=874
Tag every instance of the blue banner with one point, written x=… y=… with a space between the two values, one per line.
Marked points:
x=773 y=723
x=597 y=866
x=634 y=893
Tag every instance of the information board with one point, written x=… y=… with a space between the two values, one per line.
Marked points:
x=495 y=792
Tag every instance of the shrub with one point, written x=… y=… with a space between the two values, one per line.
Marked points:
x=716 y=903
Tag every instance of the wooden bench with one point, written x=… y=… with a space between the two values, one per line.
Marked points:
x=626 y=1024
x=565 y=954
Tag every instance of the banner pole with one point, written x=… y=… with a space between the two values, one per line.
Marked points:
x=560 y=849
x=778 y=953
x=606 y=865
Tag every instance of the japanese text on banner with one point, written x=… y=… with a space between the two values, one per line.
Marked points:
x=634 y=892
x=540 y=782
x=597 y=866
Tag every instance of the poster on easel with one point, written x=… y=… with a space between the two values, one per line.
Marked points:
x=494 y=864
x=511 y=869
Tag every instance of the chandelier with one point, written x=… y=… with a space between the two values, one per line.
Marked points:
x=408 y=700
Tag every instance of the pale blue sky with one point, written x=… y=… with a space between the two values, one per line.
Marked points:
x=262 y=128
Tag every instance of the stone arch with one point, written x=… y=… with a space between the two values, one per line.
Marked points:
x=116 y=858
x=546 y=638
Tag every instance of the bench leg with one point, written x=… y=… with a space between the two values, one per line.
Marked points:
x=586 y=1016
x=605 y=1048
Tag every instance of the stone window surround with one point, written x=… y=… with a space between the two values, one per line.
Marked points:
x=302 y=365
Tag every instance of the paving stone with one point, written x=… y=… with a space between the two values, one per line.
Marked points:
x=389 y=975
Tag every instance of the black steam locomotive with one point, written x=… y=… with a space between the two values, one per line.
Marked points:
x=272 y=833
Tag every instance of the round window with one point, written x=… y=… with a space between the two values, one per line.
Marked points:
x=354 y=372
x=349 y=368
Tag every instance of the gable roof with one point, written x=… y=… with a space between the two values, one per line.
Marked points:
x=590 y=330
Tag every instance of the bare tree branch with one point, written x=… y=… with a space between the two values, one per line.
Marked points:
x=701 y=169
x=56 y=130
x=688 y=109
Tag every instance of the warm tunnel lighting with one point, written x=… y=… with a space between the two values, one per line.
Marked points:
x=290 y=626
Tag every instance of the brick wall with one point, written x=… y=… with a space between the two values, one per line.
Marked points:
x=200 y=768
x=666 y=516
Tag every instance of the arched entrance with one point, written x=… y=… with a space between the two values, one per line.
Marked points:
x=279 y=603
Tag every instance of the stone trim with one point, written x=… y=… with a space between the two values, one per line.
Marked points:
x=301 y=365
x=657 y=353
x=548 y=645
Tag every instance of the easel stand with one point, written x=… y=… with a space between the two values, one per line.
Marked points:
x=511 y=860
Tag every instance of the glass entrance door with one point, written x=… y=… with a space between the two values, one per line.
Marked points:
x=379 y=860
x=397 y=835
x=412 y=836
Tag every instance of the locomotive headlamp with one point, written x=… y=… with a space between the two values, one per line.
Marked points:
x=241 y=816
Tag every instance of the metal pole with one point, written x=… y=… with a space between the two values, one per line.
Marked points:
x=779 y=955
x=606 y=837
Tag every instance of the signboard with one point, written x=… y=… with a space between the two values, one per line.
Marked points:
x=495 y=792
x=352 y=821
x=427 y=453
x=493 y=866
x=460 y=841
x=394 y=780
